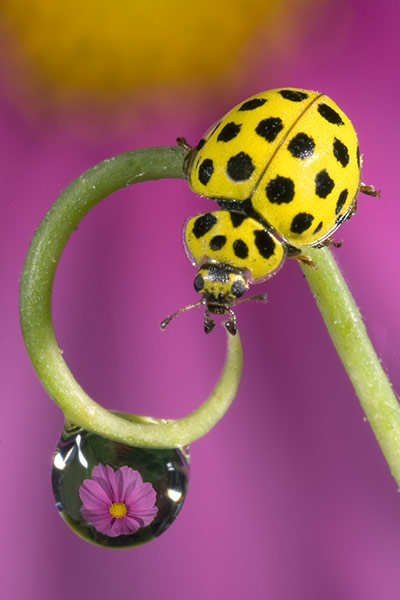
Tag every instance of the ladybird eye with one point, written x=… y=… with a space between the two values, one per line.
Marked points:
x=198 y=283
x=238 y=289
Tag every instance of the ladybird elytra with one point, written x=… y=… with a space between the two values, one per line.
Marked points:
x=293 y=153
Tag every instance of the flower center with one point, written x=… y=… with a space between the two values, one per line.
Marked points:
x=118 y=510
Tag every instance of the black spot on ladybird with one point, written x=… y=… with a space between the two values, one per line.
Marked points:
x=330 y=114
x=264 y=243
x=341 y=152
x=341 y=201
x=358 y=157
x=318 y=228
x=323 y=184
x=269 y=128
x=301 y=222
x=301 y=146
x=200 y=144
x=206 y=169
x=240 y=249
x=237 y=218
x=217 y=242
x=280 y=190
x=293 y=95
x=253 y=103
x=240 y=167
x=228 y=132
x=203 y=224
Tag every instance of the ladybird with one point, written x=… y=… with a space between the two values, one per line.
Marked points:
x=285 y=169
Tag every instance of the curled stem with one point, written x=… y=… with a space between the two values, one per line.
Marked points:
x=348 y=333
x=35 y=309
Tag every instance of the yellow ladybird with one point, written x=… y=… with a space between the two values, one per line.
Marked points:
x=284 y=164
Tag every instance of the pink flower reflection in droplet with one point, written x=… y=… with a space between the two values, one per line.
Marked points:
x=117 y=502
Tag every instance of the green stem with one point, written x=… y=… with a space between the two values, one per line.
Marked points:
x=353 y=345
x=35 y=308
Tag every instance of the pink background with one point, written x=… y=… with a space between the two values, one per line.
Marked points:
x=290 y=497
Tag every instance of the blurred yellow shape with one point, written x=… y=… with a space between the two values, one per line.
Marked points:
x=111 y=47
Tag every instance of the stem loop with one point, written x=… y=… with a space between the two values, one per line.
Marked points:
x=35 y=308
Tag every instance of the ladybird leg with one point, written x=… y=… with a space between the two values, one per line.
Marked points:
x=181 y=141
x=370 y=190
x=296 y=253
x=352 y=211
x=292 y=251
x=231 y=324
x=209 y=324
x=327 y=242
x=191 y=153
x=305 y=260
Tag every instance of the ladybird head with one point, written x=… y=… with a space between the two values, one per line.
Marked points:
x=221 y=287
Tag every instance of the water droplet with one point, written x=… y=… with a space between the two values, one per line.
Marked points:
x=79 y=451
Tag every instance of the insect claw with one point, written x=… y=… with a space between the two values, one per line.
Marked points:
x=231 y=327
x=370 y=190
x=231 y=324
x=209 y=324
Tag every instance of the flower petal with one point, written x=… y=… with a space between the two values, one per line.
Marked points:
x=123 y=526
x=144 y=519
x=142 y=506
x=99 y=471
x=105 y=476
x=100 y=520
x=93 y=495
x=143 y=496
x=127 y=480
x=146 y=514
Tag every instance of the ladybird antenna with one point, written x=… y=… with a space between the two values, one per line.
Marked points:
x=231 y=325
x=168 y=320
x=256 y=297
